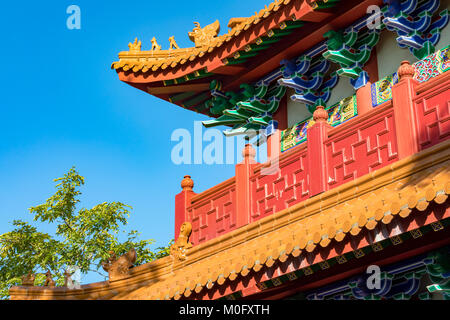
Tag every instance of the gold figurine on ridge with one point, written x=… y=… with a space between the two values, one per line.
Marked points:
x=173 y=44
x=155 y=45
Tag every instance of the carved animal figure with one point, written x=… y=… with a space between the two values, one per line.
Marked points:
x=173 y=44
x=28 y=280
x=135 y=46
x=119 y=267
x=48 y=279
x=203 y=36
x=178 y=249
x=155 y=45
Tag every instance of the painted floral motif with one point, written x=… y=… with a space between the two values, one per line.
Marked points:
x=444 y=58
x=338 y=113
x=425 y=69
x=382 y=90
x=295 y=135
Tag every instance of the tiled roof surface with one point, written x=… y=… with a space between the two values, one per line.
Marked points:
x=365 y=203
x=151 y=61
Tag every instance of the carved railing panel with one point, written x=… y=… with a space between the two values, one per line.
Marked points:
x=213 y=214
x=361 y=148
x=432 y=109
x=272 y=193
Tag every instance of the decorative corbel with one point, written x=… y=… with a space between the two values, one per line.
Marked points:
x=417 y=27
x=351 y=50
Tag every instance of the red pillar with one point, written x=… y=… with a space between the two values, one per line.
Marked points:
x=403 y=94
x=243 y=172
x=317 y=135
x=182 y=202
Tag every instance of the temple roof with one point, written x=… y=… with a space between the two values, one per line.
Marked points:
x=381 y=201
x=153 y=60
x=213 y=55
x=248 y=54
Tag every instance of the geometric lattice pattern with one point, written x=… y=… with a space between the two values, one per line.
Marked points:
x=357 y=151
x=273 y=193
x=213 y=216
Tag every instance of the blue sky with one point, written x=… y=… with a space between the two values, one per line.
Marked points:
x=63 y=106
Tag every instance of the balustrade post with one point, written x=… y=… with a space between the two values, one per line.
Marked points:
x=243 y=172
x=316 y=137
x=182 y=202
x=403 y=94
x=364 y=99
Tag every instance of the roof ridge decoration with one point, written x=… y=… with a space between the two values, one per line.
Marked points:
x=265 y=251
x=179 y=249
x=135 y=46
x=155 y=45
x=206 y=39
x=204 y=36
x=119 y=268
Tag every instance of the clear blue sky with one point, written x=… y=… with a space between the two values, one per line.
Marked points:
x=63 y=106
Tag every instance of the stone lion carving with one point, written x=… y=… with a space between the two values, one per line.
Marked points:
x=179 y=248
x=203 y=36
x=118 y=268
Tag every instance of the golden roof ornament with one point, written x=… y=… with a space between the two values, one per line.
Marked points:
x=236 y=22
x=118 y=268
x=49 y=282
x=203 y=36
x=155 y=45
x=173 y=44
x=135 y=46
x=28 y=279
x=179 y=249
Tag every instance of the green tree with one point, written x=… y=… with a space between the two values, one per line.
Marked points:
x=82 y=238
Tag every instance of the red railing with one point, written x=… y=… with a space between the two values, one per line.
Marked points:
x=288 y=186
x=213 y=212
x=416 y=118
x=433 y=111
x=365 y=144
